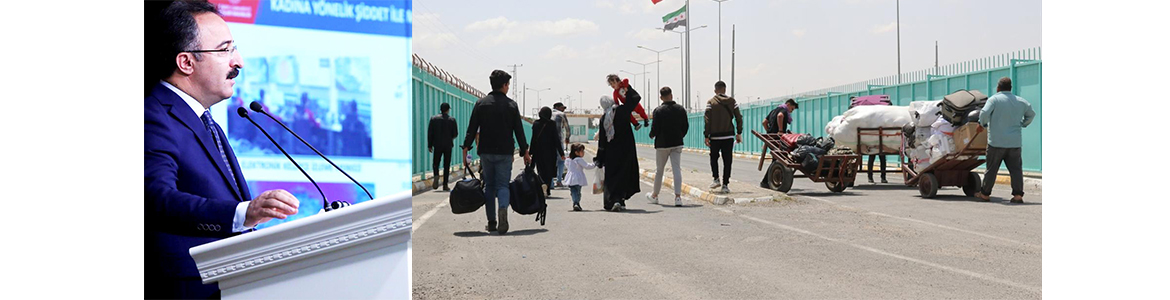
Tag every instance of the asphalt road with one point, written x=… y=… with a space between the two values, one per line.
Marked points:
x=871 y=242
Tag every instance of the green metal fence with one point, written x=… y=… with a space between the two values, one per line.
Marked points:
x=431 y=87
x=818 y=107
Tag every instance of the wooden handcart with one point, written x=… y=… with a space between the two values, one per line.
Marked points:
x=836 y=171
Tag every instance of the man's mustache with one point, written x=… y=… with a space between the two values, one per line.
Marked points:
x=235 y=72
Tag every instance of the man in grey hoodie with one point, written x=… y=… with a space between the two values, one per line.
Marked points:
x=719 y=132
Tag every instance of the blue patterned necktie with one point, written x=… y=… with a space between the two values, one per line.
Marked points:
x=214 y=130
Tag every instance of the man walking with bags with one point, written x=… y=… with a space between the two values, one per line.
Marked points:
x=497 y=120
x=441 y=133
x=1005 y=115
x=669 y=127
x=719 y=133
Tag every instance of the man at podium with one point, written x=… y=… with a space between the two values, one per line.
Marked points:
x=195 y=192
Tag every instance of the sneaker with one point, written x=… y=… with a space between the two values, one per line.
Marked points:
x=715 y=183
x=1017 y=200
x=871 y=180
x=446 y=189
x=677 y=201
x=576 y=207
x=617 y=207
x=503 y=216
x=725 y=190
x=491 y=226
x=435 y=185
x=884 y=180
x=650 y=197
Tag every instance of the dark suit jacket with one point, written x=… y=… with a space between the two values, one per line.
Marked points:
x=190 y=200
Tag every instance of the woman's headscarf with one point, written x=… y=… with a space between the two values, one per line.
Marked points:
x=607 y=121
x=545 y=113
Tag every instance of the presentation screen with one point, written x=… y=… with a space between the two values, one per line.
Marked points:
x=338 y=74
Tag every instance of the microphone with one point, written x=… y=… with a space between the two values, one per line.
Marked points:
x=260 y=109
x=244 y=114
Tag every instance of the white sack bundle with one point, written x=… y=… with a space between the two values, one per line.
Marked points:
x=845 y=132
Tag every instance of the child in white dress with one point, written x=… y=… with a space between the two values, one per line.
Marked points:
x=575 y=179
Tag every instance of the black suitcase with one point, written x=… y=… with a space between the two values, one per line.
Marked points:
x=956 y=106
x=467 y=196
x=528 y=195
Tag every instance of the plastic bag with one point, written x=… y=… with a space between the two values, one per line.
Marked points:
x=599 y=183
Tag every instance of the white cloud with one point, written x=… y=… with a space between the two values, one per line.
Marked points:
x=561 y=52
x=799 y=33
x=605 y=4
x=648 y=34
x=878 y=29
x=500 y=30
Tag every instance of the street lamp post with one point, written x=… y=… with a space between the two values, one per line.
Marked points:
x=683 y=69
x=659 y=63
x=720 y=41
x=537 y=96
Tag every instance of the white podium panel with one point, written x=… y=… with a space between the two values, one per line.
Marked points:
x=357 y=252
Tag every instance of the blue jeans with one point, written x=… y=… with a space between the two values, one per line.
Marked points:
x=560 y=171
x=575 y=191
x=497 y=170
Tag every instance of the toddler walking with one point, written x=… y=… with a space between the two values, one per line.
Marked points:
x=575 y=179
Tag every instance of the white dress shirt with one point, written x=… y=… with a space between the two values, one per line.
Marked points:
x=198 y=110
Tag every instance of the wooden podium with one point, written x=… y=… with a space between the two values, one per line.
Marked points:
x=356 y=252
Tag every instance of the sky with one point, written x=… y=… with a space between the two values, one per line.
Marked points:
x=783 y=47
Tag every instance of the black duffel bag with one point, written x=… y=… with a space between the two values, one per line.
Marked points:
x=467 y=196
x=528 y=194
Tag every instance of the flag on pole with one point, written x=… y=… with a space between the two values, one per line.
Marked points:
x=675 y=19
x=655 y=1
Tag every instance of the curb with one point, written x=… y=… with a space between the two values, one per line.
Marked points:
x=422 y=183
x=697 y=193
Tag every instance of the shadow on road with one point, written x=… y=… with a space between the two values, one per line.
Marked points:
x=469 y=234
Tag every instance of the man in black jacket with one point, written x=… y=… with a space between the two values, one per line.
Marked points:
x=669 y=127
x=497 y=120
x=441 y=133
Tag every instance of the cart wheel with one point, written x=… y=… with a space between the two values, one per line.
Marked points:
x=928 y=185
x=835 y=187
x=779 y=177
x=973 y=184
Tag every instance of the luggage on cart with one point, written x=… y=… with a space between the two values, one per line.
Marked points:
x=870 y=100
x=956 y=106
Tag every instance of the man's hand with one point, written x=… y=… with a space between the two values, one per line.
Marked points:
x=707 y=141
x=738 y=138
x=527 y=158
x=431 y=149
x=270 y=204
x=466 y=162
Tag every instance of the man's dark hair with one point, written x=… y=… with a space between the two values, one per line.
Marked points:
x=1005 y=84
x=444 y=107
x=170 y=30
x=791 y=103
x=499 y=78
x=719 y=85
x=612 y=78
x=664 y=91
x=558 y=105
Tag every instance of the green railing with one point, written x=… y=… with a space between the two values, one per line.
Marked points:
x=818 y=107
x=431 y=87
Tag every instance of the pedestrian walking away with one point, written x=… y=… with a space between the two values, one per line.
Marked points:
x=1005 y=116
x=719 y=133
x=668 y=130
x=497 y=119
x=441 y=133
x=575 y=178
x=616 y=151
x=563 y=134
x=546 y=148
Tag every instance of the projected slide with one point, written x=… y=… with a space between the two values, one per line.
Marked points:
x=337 y=73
